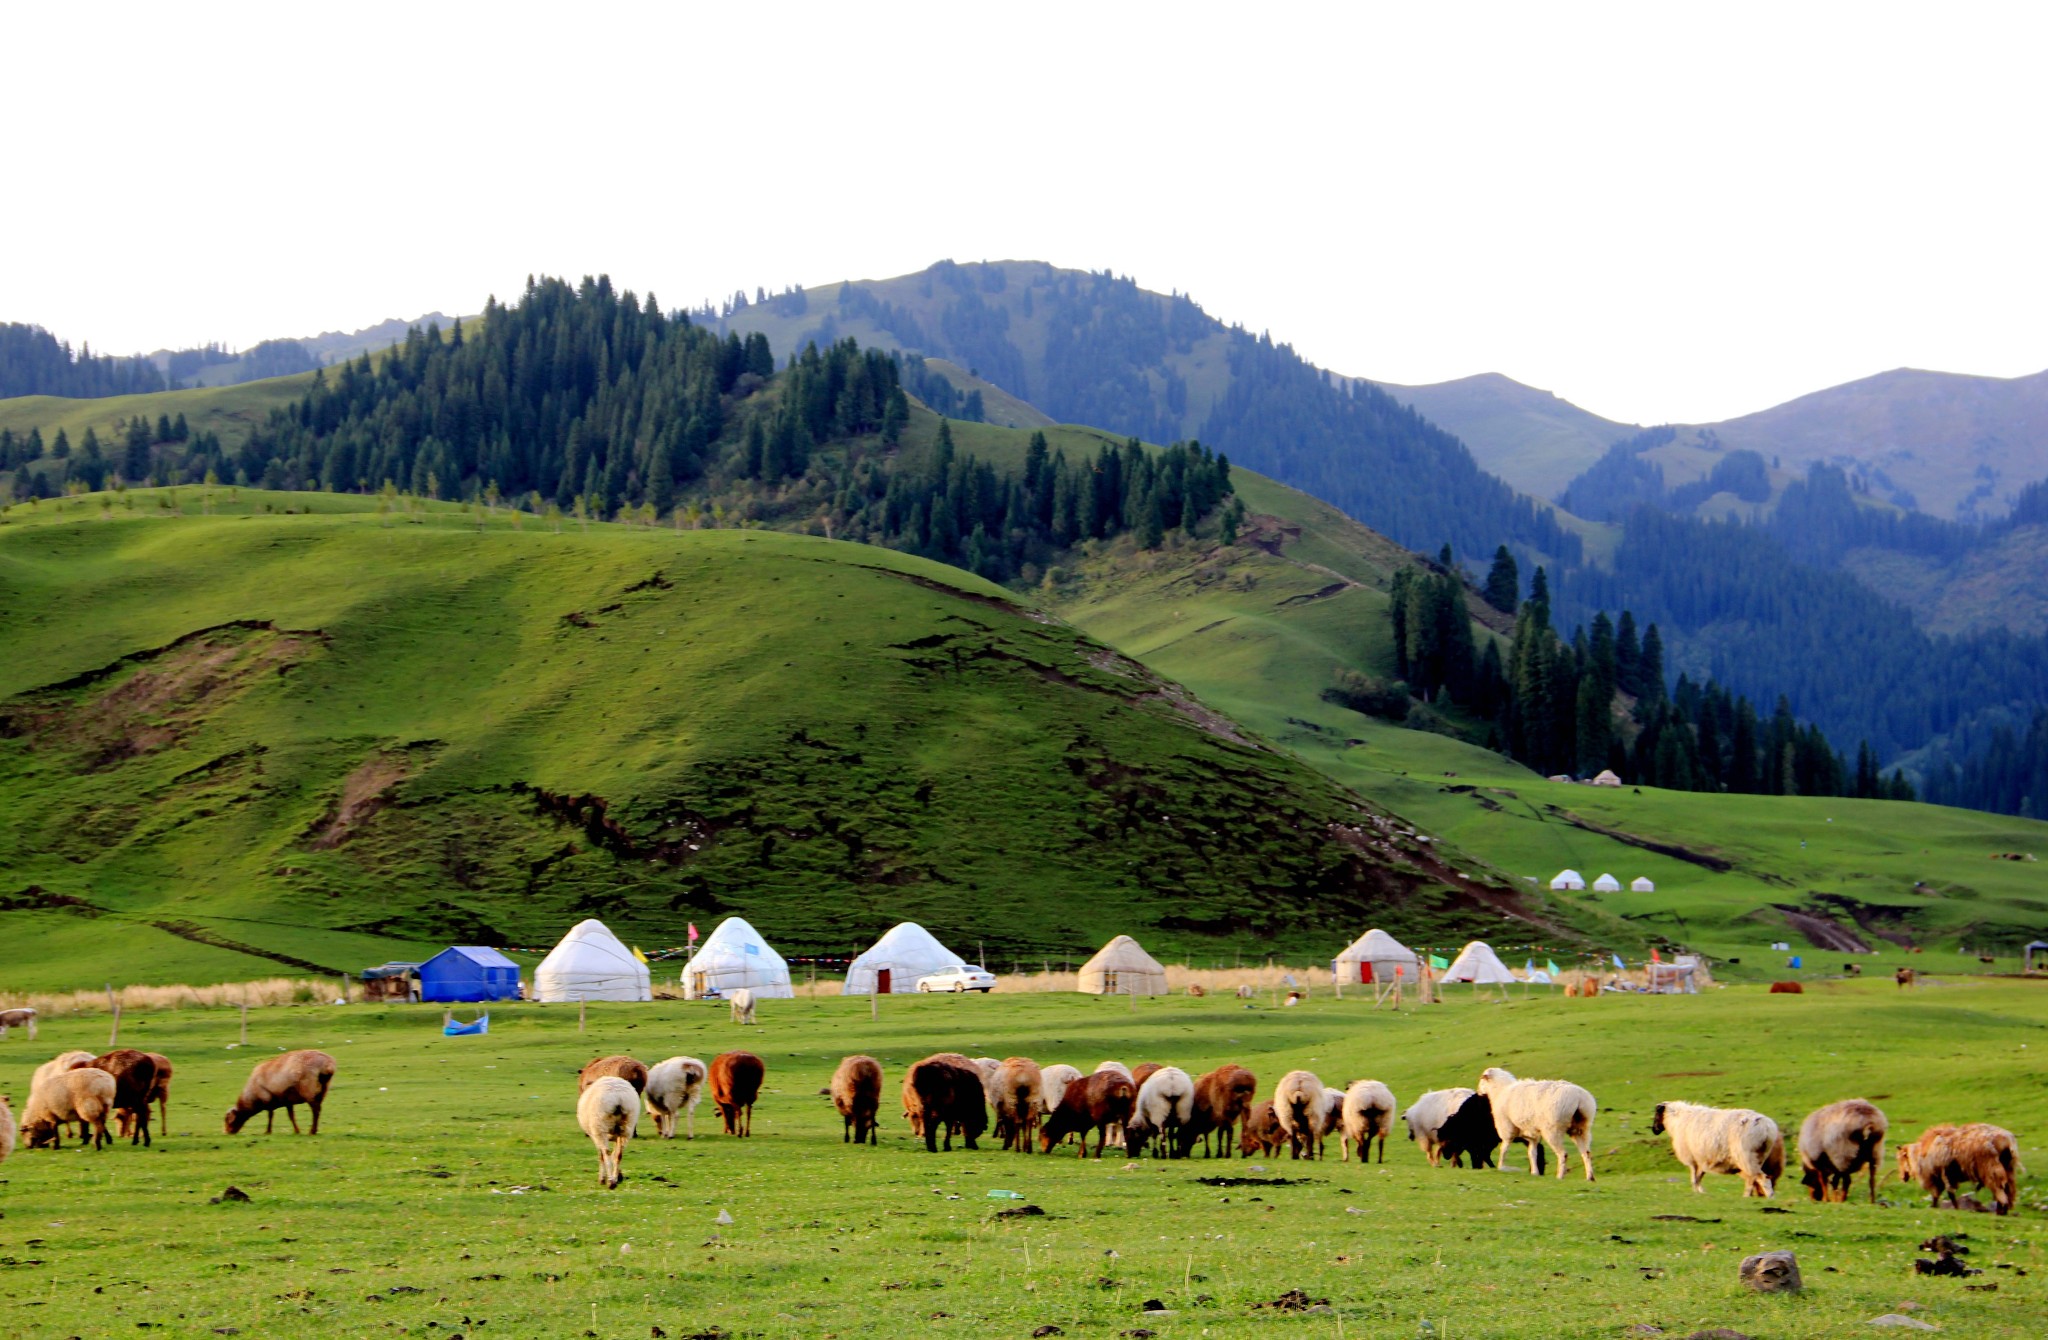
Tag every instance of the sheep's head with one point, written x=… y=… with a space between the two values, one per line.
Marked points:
x=1815 y=1188
x=40 y=1134
x=1657 y=1121
x=1905 y=1163
x=1493 y=1079
x=236 y=1118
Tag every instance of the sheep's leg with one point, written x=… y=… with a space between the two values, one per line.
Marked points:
x=1585 y=1144
x=291 y=1111
x=163 y=1112
x=270 y=1121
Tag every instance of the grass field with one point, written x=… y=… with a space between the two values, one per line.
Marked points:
x=229 y=411
x=450 y=1192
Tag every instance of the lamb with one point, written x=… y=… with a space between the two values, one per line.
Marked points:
x=943 y=1093
x=1944 y=1157
x=1018 y=1094
x=608 y=1111
x=735 y=1084
x=1427 y=1116
x=1166 y=1102
x=84 y=1095
x=1837 y=1140
x=1298 y=1107
x=1367 y=1111
x=1550 y=1110
x=21 y=1018
x=1724 y=1140
x=134 y=1075
x=1102 y=1100
x=284 y=1081
x=1222 y=1097
x=674 y=1088
x=617 y=1067
x=857 y=1093
x=1262 y=1133
x=742 y=1005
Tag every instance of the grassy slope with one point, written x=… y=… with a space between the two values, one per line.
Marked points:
x=998 y=405
x=1533 y=439
x=939 y=756
x=400 y=1214
x=230 y=411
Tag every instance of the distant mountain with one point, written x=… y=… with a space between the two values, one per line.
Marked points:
x=216 y=365
x=1532 y=439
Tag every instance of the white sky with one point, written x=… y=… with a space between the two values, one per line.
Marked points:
x=1659 y=213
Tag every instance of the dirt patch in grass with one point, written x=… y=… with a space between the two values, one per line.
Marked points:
x=363 y=792
x=1705 y=860
x=1823 y=932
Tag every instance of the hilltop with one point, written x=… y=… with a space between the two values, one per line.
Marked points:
x=1536 y=441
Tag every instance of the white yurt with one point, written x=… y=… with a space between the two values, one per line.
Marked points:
x=1376 y=957
x=1568 y=879
x=591 y=964
x=1606 y=777
x=1478 y=964
x=1642 y=884
x=1122 y=968
x=733 y=956
x=1607 y=884
x=894 y=963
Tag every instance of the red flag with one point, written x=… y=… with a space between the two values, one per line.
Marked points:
x=1653 y=955
x=693 y=930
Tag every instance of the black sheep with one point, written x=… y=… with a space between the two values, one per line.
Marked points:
x=1470 y=1131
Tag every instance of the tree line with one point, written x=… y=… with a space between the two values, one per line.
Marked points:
x=35 y=362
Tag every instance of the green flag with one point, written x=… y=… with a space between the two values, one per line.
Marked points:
x=1439 y=962
x=1550 y=966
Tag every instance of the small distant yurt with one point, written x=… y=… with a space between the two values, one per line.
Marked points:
x=1478 y=964
x=733 y=956
x=1607 y=884
x=591 y=964
x=1642 y=884
x=894 y=963
x=1122 y=968
x=1607 y=778
x=1376 y=957
x=469 y=973
x=1568 y=879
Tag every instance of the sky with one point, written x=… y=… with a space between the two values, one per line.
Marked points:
x=1663 y=213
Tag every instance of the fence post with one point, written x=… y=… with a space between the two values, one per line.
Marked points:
x=114 y=1005
x=582 y=1008
x=245 y=1016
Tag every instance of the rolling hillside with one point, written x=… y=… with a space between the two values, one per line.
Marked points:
x=1536 y=441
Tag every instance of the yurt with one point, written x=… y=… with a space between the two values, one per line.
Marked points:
x=1478 y=964
x=733 y=956
x=1642 y=884
x=1122 y=968
x=1607 y=884
x=1376 y=957
x=894 y=963
x=1568 y=879
x=591 y=964
x=1606 y=777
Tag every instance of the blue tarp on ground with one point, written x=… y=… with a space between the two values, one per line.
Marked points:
x=468 y=973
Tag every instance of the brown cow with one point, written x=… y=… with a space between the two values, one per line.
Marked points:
x=735 y=1083
x=1096 y=1102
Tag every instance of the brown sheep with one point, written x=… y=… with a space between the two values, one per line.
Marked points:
x=162 y=1090
x=284 y=1081
x=735 y=1084
x=857 y=1093
x=1945 y=1157
x=134 y=1075
x=913 y=1114
x=1904 y=977
x=1098 y=1102
x=618 y=1067
x=1017 y=1092
x=1222 y=1097
x=84 y=1095
x=1143 y=1071
x=1787 y=989
x=1262 y=1133
x=943 y=1094
x=1837 y=1140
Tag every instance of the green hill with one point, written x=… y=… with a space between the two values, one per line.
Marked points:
x=1533 y=439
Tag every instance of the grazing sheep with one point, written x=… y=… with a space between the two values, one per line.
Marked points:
x=1469 y=1135
x=1724 y=1140
x=1262 y=1134
x=1367 y=1112
x=735 y=1083
x=1837 y=1140
x=1551 y=1110
x=1293 y=999
x=857 y=1093
x=1056 y=1078
x=609 y=1112
x=987 y=1066
x=1166 y=1101
x=57 y=1064
x=1787 y=989
x=1102 y=1100
x=21 y=1018
x=1427 y=1116
x=943 y=1094
x=84 y=1095
x=1945 y=1157
x=1017 y=1093
x=1905 y=977
x=1222 y=1097
x=1330 y=1121
x=134 y=1075
x=742 y=1001
x=284 y=1081
x=1116 y=1129
x=1247 y=993
x=7 y=1129
x=674 y=1088
x=161 y=1091
x=615 y=1067
x=1298 y=1107
x=1197 y=989
x=1143 y=1071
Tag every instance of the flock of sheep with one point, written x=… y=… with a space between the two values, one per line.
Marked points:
x=80 y=1092
x=1162 y=1107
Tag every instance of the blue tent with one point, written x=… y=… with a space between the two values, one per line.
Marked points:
x=468 y=972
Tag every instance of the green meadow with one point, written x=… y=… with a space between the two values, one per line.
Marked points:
x=450 y=1192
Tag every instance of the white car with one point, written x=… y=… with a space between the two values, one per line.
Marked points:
x=959 y=977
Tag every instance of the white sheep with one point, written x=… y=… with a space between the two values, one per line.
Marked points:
x=84 y=1095
x=1428 y=1116
x=1055 y=1079
x=1332 y=1119
x=1368 y=1112
x=1724 y=1140
x=1551 y=1110
x=1298 y=1106
x=609 y=1112
x=674 y=1088
x=988 y=1066
x=742 y=1005
x=25 y=1017
x=1247 y=993
x=1165 y=1102
x=61 y=1062
x=1837 y=1140
x=7 y=1129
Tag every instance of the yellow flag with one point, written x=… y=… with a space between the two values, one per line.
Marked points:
x=637 y=954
